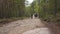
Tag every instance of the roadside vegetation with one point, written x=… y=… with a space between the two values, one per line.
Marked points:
x=48 y=10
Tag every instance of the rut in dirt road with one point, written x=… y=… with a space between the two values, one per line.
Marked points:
x=25 y=26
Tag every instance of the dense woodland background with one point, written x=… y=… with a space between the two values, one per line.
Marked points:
x=48 y=10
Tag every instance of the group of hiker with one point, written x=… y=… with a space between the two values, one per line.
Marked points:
x=35 y=15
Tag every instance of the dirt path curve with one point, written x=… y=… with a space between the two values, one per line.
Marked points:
x=23 y=26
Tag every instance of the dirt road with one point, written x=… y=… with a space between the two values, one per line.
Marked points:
x=26 y=26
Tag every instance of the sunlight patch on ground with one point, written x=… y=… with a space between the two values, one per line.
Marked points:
x=38 y=31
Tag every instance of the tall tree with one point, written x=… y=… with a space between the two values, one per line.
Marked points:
x=12 y=8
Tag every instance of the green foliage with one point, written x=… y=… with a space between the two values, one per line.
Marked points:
x=48 y=9
x=12 y=8
x=30 y=10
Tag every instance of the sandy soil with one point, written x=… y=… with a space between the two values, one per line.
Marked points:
x=25 y=26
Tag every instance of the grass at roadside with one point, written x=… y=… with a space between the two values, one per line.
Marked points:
x=8 y=20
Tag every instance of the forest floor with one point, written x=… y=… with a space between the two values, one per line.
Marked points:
x=26 y=26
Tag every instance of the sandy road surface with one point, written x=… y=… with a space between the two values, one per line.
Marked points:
x=25 y=26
